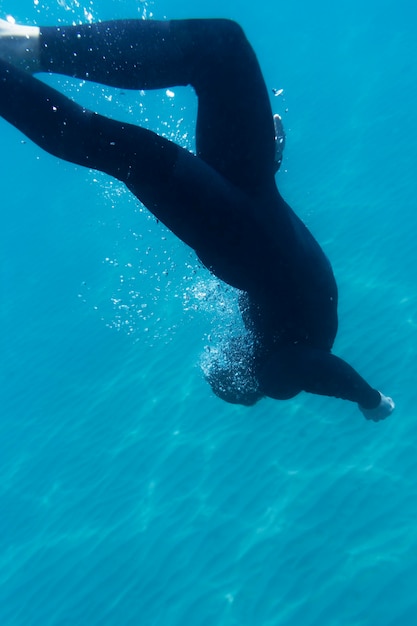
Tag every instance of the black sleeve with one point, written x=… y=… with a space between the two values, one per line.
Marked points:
x=292 y=369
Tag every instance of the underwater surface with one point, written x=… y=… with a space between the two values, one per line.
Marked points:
x=131 y=495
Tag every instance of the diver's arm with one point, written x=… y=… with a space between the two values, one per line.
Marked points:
x=323 y=373
x=331 y=375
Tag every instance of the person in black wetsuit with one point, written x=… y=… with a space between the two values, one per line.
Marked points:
x=222 y=201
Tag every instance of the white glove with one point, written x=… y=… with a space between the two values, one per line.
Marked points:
x=384 y=408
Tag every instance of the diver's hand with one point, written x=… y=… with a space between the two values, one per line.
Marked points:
x=383 y=410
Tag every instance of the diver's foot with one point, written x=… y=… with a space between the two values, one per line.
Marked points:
x=19 y=45
x=383 y=410
x=279 y=140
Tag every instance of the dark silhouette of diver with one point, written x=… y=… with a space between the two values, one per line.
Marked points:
x=222 y=202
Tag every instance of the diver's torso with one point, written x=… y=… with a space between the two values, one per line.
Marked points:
x=271 y=255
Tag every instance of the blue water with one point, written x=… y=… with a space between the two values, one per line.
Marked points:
x=129 y=494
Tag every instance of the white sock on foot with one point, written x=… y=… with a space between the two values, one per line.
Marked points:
x=19 y=45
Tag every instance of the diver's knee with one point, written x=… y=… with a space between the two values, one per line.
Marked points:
x=231 y=30
x=223 y=38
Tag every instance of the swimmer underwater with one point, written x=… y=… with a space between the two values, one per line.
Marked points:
x=223 y=201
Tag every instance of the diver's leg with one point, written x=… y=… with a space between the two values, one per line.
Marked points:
x=235 y=130
x=176 y=186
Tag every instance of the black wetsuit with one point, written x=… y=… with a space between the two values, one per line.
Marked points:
x=223 y=201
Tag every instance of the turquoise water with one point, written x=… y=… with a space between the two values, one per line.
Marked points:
x=129 y=494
